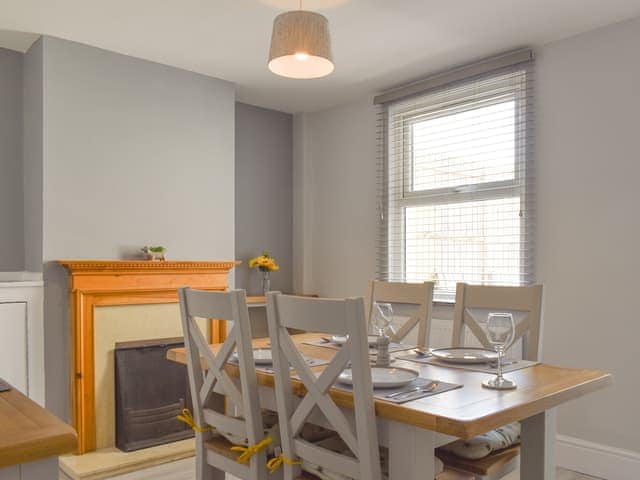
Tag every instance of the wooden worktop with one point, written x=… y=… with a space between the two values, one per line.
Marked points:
x=28 y=432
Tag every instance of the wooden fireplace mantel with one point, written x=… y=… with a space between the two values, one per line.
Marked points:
x=95 y=283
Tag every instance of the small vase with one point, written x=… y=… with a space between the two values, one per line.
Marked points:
x=266 y=283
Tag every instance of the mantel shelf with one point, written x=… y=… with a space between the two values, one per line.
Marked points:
x=139 y=266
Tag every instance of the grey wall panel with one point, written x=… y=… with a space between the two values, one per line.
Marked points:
x=11 y=197
x=263 y=194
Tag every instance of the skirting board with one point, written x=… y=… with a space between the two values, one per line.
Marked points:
x=598 y=460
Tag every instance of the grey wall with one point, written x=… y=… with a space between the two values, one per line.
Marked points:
x=588 y=224
x=32 y=135
x=263 y=194
x=11 y=203
x=133 y=153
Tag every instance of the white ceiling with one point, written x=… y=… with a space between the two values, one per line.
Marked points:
x=377 y=43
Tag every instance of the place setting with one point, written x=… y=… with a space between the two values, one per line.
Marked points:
x=380 y=322
x=500 y=332
x=263 y=360
x=397 y=384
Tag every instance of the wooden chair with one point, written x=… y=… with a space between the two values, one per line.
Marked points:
x=417 y=296
x=332 y=317
x=213 y=454
x=473 y=303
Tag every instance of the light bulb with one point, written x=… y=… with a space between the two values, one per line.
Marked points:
x=301 y=56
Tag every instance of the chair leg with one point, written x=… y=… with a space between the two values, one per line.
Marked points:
x=204 y=471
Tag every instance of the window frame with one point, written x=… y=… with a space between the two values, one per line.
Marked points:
x=493 y=93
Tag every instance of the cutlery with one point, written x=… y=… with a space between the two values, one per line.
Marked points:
x=422 y=352
x=504 y=364
x=424 y=388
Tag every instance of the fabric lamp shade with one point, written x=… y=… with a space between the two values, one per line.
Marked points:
x=301 y=45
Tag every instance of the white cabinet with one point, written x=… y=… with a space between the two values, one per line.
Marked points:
x=22 y=333
x=13 y=344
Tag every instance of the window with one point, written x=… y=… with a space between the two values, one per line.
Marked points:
x=456 y=184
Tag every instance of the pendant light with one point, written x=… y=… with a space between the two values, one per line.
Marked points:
x=301 y=45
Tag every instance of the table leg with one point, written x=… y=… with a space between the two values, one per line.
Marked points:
x=538 y=437
x=411 y=452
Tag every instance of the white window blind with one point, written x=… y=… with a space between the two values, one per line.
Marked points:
x=455 y=183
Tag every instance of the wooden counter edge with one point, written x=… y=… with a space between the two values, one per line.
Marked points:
x=46 y=436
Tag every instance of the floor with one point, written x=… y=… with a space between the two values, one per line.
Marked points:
x=185 y=470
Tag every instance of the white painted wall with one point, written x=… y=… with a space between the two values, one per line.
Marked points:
x=336 y=164
x=588 y=224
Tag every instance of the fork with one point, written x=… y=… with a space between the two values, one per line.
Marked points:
x=425 y=388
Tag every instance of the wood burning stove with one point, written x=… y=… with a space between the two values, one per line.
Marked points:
x=150 y=392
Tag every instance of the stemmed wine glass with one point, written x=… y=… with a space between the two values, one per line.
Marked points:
x=501 y=329
x=382 y=317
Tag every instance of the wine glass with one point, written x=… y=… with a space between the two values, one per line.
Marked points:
x=382 y=317
x=501 y=331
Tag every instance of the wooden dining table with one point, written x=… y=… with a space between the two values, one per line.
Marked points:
x=413 y=430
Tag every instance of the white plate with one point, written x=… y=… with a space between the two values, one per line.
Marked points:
x=260 y=356
x=342 y=339
x=383 y=377
x=465 y=355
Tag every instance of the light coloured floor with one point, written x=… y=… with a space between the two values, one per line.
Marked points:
x=185 y=470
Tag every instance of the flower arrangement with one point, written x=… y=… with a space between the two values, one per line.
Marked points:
x=264 y=263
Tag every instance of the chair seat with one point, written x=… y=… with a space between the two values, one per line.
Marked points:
x=486 y=466
x=221 y=446
x=453 y=475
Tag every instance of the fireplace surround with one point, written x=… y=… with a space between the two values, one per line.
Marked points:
x=96 y=283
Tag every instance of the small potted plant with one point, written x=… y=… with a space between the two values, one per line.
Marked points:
x=266 y=264
x=154 y=253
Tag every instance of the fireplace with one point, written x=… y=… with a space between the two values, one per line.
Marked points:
x=97 y=286
x=150 y=392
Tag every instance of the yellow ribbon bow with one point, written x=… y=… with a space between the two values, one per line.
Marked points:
x=275 y=462
x=251 y=450
x=187 y=418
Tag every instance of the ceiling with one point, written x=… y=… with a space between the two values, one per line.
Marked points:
x=377 y=43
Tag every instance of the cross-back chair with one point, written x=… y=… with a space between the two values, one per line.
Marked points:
x=208 y=379
x=474 y=302
x=332 y=317
x=417 y=296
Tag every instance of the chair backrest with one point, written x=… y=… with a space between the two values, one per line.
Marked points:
x=414 y=299
x=475 y=302
x=207 y=374
x=332 y=317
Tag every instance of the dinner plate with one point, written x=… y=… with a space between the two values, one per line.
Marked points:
x=342 y=339
x=465 y=355
x=261 y=356
x=383 y=377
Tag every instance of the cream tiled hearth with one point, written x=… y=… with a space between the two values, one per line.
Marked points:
x=120 y=324
x=120 y=302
